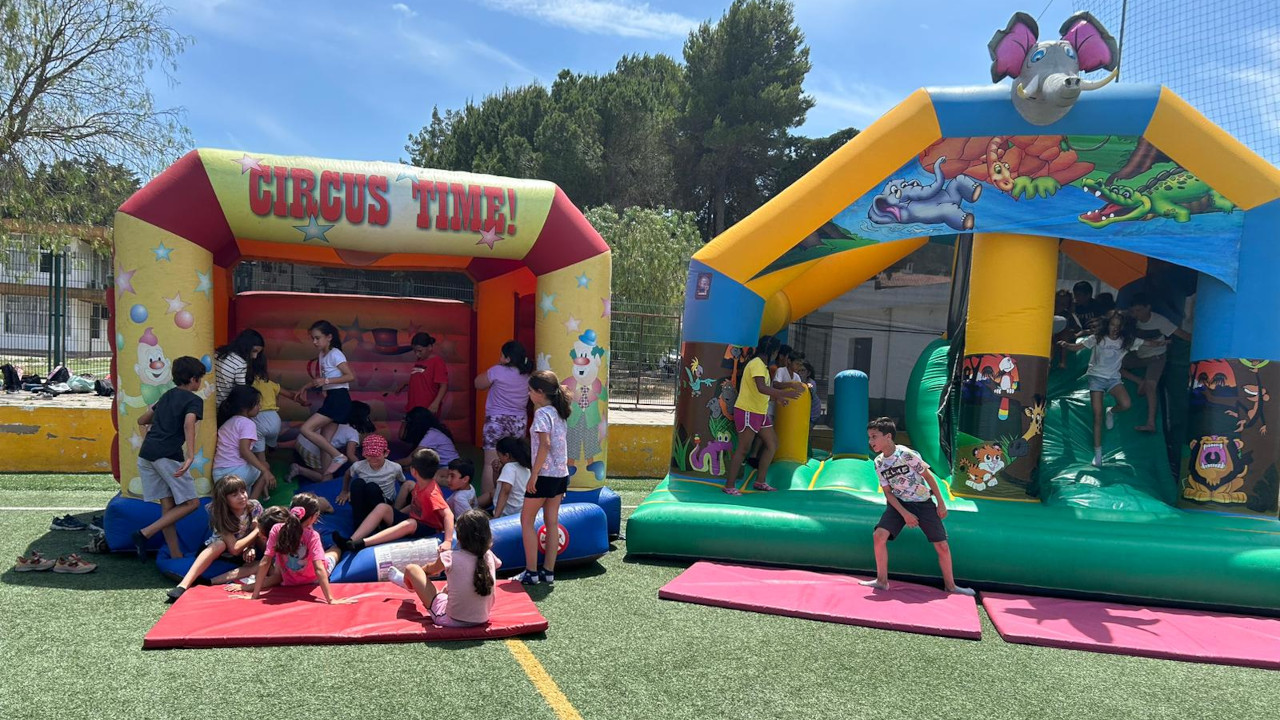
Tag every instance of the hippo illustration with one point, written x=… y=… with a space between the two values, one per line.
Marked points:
x=907 y=201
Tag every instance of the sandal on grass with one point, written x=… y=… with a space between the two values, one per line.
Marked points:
x=33 y=562
x=74 y=565
x=763 y=487
x=731 y=491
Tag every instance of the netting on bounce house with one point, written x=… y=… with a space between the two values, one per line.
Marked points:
x=1130 y=182
x=540 y=271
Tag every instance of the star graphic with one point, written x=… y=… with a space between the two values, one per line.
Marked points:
x=548 y=304
x=162 y=252
x=406 y=176
x=583 y=280
x=176 y=304
x=571 y=325
x=124 y=280
x=135 y=441
x=489 y=237
x=199 y=463
x=247 y=163
x=608 y=307
x=313 y=230
x=204 y=283
x=353 y=333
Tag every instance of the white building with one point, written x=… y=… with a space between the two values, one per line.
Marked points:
x=26 y=274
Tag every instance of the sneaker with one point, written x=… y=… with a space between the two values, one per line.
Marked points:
x=67 y=522
x=529 y=577
x=139 y=544
x=33 y=562
x=548 y=577
x=174 y=593
x=74 y=564
x=96 y=524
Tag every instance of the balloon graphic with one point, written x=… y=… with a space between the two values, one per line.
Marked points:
x=119 y=341
x=138 y=313
x=184 y=320
x=208 y=363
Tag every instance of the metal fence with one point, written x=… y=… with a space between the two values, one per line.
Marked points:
x=644 y=362
x=54 y=307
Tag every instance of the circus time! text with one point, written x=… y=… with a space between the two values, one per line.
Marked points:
x=298 y=193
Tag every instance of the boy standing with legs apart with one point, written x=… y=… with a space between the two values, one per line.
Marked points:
x=161 y=462
x=907 y=483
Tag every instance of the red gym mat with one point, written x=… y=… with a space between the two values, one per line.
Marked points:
x=1132 y=630
x=827 y=597
x=207 y=617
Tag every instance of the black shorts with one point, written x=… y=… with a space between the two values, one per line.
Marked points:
x=548 y=487
x=926 y=512
x=337 y=405
x=423 y=531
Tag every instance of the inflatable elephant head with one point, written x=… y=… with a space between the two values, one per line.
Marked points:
x=1046 y=75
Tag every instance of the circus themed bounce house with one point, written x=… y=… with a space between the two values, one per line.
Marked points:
x=1131 y=183
x=541 y=274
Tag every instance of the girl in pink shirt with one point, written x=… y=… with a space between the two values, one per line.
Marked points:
x=470 y=574
x=505 y=407
x=294 y=555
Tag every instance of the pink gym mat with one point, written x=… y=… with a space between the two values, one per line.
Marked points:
x=207 y=617
x=827 y=597
x=1132 y=630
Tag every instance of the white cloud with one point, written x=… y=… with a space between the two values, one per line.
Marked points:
x=601 y=17
x=843 y=104
x=404 y=10
x=495 y=54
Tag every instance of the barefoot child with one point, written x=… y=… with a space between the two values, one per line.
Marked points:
x=308 y=461
x=428 y=513
x=470 y=573
x=1114 y=338
x=161 y=464
x=268 y=418
x=751 y=416
x=295 y=554
x=504 y=407
x=907 y=483
x=512 y=467
x=335 y=380
x=236 y=435
x=234 y=519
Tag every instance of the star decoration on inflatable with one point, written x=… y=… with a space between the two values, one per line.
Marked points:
x=200 y=461
x=313 y=230
x=608 y=307
x=406 y=176
x=135 y=441
x=124 y=280
x=176 y=304
x=247 y=163
x=489 y=237
x=583 y=280
x=353 y=334
x=204 y=283
x=544 y=361
x=572 y=324
x=162 y=252
x=547 y=304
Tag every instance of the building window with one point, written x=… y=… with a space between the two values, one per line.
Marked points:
x=26 y=315
x=97 y=315
x=46 y=262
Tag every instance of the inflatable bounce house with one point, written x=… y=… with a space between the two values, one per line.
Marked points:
x=1131 y=183
x=541 y=275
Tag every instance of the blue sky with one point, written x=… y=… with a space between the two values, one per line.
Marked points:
x=354 y=79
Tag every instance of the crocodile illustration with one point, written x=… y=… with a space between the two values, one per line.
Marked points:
x=1171 y=193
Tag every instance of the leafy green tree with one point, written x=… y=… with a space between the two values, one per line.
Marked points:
x=743 y=92
x=802 y=154
x=651 y=252
x=639 y=106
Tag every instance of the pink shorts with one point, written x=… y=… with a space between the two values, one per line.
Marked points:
x=440 y=614
x=756 y=421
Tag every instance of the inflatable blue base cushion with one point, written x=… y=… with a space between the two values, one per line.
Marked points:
x=124 y=516
x=607 y=499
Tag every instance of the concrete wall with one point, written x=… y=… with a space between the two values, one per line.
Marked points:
x=55 y=440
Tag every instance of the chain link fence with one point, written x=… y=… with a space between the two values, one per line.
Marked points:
x=53 y=303
x=644 y=362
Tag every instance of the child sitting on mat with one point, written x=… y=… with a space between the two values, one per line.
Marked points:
x=294 y=554
x=470 y=573
x=233 y=517
x=907 y=483
x=427 y=512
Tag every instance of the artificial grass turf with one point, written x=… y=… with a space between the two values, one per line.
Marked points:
x=71 y=647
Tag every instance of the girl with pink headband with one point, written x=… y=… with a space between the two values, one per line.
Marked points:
x=294 y=554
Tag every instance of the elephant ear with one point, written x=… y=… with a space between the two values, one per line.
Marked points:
x=1009 y=47
x=1094 y=46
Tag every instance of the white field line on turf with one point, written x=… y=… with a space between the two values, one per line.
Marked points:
x=49 y=509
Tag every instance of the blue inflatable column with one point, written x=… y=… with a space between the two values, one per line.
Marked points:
x=849 y=412
x=1234 y=382
x=721 y=322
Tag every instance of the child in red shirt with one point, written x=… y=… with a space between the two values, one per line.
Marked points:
x=427 y=511
x=429 y=379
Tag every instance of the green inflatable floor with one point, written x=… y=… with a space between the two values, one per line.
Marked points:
x=1109 y=531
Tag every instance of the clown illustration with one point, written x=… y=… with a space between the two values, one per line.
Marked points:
x=587 y=393
x=153 y=369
